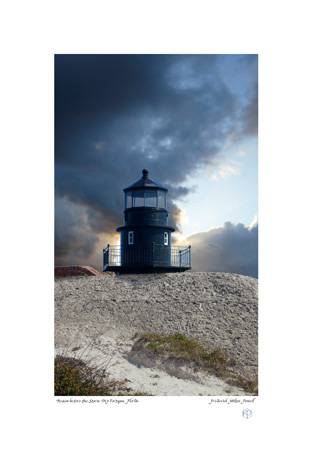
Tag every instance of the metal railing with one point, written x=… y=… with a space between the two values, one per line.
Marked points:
x=157 y=255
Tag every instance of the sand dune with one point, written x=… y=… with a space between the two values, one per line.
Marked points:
x=218 y=309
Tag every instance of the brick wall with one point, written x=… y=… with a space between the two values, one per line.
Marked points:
x=76 y=271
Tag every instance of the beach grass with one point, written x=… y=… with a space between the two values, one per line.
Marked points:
x=190 y=352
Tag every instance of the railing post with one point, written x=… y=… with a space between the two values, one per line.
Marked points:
x=153 y=254
x=106 y=257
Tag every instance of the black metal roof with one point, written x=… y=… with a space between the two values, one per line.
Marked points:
x=145 y=182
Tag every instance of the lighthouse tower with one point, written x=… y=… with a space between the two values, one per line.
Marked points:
x=145 y=237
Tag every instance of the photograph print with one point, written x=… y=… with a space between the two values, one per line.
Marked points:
x=156 y=225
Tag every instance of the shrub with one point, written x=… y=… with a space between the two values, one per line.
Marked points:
x=73 y=377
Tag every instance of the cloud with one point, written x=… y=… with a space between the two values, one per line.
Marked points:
x=254 y=223
x=250 y=114
x=227 y=170
x=73 y=234
x=241 y=153
x=78 y=240
x=118 y=114
x=223 y=170
x=230 y=248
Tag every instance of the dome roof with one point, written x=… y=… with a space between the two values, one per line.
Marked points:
x=145 y=182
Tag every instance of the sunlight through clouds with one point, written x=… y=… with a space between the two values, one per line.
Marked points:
x=227 y=170
x=224 y=170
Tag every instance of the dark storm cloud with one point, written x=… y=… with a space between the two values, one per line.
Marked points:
x=250 y=116
x=73 y=236
x=231 y=248
x=106 y=85
x=118 y=114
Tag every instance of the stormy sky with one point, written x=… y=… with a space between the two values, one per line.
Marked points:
x=191 y=120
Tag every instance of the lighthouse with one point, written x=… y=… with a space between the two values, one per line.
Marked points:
x=145 y=237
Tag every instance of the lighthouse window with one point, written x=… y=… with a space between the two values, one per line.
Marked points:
x=138 y=198
x=128 y=200
x=166 y=238
x=150 y=198
x=130 y=237
x=161 y=199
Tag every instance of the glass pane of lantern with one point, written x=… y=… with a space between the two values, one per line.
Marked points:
x=151 y=198
x=161 y=199
x=138 y=198
x=128 y=200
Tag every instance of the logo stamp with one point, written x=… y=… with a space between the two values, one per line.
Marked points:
x=247 y=414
